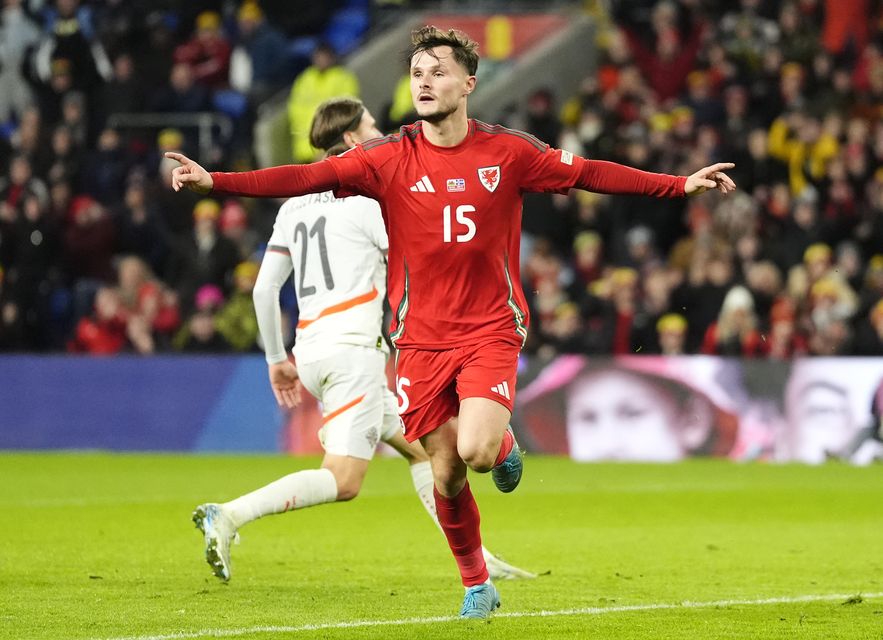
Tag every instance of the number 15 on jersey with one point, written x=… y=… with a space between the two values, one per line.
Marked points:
x=462 y=220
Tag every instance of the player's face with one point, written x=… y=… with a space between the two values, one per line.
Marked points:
x=439 y=84
x=367 y=129
x=615 y=415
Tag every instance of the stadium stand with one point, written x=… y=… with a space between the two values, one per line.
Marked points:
x=792 y=91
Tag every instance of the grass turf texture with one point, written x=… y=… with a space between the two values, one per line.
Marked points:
x=101 y=546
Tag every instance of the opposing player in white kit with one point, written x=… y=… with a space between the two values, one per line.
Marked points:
x=337 y=249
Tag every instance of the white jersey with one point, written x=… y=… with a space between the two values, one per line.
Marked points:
x=337 y=249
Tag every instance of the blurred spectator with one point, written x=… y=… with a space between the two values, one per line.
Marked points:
x=207 y=53
x=18 y=33
x=142 y=231
x=800 y=232
x=619 y=315
x=641 y=251
x=105 y=169
x=700 y=297
x=799 y=141
x=71 y=48
x=325 y=78
x=234 y=225
x=199 y=334
x=259 y=64
x=11 y=326
x=667 y=62
x=74 y=117
x=89 y=241
x=124 y=92
x=21 y=182
x=746 y=32
x=60 y=198
x=151 y=307
x=103 y=332
x=588 y=254
x=66 y=157
x=798 y=36
x=707 y=107
x=182 y=94
x=542 y=120
x=49 y=93
x=831 y=301
x=35 y=249
x=735 y=331
x=817 y=260
x=672 y=330
x=175 y=209
x=655 y=302
x=153 y=54
x=869 y=335
x=764 y=281
x=203 y=257
x=784 y=341
x=236 y=320
x=28 y=139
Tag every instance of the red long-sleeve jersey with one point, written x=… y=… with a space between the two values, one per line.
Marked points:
x=453 y=216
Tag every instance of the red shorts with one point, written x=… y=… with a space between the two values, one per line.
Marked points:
x=431 y=384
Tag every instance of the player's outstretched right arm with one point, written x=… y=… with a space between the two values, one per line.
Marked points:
x=276 y=182
x=190 y=175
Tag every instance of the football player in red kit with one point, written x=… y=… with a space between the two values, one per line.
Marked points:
x=450 y=189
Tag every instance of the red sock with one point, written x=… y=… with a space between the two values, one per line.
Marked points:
x=505 y=447
x=459 y=519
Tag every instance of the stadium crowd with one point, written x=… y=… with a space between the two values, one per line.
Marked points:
x=98 y=256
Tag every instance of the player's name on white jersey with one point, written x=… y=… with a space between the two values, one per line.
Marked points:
x=326 y=197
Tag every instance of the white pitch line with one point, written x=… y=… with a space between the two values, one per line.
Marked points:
x=586 y=611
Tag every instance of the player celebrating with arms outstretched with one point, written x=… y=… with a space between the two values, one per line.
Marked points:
x=337 y=248
x=450 y=190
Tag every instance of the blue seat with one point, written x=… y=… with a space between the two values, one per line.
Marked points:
x=346 y=29
x=302 y=47
x=7 y=129
x=229 y=102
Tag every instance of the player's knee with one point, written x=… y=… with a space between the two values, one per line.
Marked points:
x=476 y=457
x=348 y=485
x=347 y=490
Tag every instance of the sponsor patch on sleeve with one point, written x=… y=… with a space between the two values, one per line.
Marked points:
x=566 y=157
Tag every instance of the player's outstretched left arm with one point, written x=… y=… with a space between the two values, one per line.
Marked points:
x=711 y=177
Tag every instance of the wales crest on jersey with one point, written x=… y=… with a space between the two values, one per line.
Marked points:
x=489 y=177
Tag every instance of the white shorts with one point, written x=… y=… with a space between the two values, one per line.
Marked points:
x=358 y=408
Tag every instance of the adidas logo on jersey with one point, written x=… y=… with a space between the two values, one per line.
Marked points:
x=502 y=389
x=423 y=185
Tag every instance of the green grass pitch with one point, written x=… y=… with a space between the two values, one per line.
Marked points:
x=98 y=546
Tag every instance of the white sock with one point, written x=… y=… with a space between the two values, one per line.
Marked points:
x=421 y=474
x=295 y=491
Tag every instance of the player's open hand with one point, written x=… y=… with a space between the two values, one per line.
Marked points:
x=190 y=175
x=710 y=178
x=285 y=384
